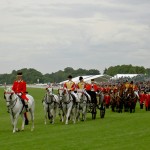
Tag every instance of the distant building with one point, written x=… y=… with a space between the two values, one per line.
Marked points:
x=117 y=76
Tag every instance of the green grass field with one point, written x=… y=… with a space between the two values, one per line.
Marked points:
x=116 y=131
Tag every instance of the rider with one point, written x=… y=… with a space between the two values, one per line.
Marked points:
x=126 y=84
x=92 y=89
x=82 y=85
x=70 y=86
x=135 y=88
x=19 y=87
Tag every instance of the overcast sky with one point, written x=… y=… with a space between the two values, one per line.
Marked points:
x=50 y=35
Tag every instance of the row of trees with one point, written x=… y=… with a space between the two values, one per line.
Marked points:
x=126 y=69
x=33 y=76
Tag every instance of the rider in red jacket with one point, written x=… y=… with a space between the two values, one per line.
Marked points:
x=19 y=87
x=92 y=89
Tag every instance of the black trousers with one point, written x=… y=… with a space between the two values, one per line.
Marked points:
x=93 y=96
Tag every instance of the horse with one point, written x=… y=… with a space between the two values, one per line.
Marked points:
x=113 y=96
x=60 y=97
x=82 y=104
x=69 y=108
x=131 y=99
x=120 y=99
x=16 y=108
x=50 y=104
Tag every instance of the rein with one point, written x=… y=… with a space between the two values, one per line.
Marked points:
x=13 y=103
x=67 y=102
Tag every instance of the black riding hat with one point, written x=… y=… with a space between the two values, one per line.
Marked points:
x=19 y=73
x=80 y=78
x=70 y=76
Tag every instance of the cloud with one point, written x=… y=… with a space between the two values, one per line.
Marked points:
x=51 y=35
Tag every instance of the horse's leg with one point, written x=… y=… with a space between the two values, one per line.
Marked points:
x=60 y=113
x=74 y=110
x=15 y=122
x=12 y=120
x=32 y=118
x=84 y=112
x=45 y=114
x=52 y=115
x=63 y=112
x=68 y=113
x=23 y=122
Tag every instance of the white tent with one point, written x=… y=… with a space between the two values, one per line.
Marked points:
x=117 y=76
x=88 y=78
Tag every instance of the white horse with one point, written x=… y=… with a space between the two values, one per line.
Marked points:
x=68 y=107
x=60 y=96
x=82 y=105
x=16 y=108
x=50 y=104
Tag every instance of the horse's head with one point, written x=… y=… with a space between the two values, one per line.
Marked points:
x=60 y=93
x=81 y=95
x=130 y=90
x=66 y=95
x=49 y=90
x=9 y=96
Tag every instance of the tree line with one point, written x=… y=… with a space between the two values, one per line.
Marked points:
x=33 y=76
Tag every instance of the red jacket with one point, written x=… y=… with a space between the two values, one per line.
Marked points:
x=107 y=99
x=91 y=87
x=147 y=100
x=20 y=87
x=142 y=97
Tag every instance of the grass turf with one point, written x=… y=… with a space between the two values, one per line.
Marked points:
x=117 y=131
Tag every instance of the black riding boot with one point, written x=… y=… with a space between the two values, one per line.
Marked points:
x=26 y=106
x=26 y=119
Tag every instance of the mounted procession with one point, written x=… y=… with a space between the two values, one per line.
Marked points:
x=73 y=101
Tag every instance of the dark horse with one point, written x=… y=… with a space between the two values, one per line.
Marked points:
x=120 y=99
x=113 y=96
x=130 y=100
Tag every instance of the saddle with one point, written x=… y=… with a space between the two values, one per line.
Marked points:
x=74 y=99
x=25 y=104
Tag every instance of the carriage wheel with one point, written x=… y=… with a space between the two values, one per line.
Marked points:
x=94 y=111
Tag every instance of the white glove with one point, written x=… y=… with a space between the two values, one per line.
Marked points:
x=19 y=94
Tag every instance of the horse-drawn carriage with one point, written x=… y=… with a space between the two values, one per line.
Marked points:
x=86 y=105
